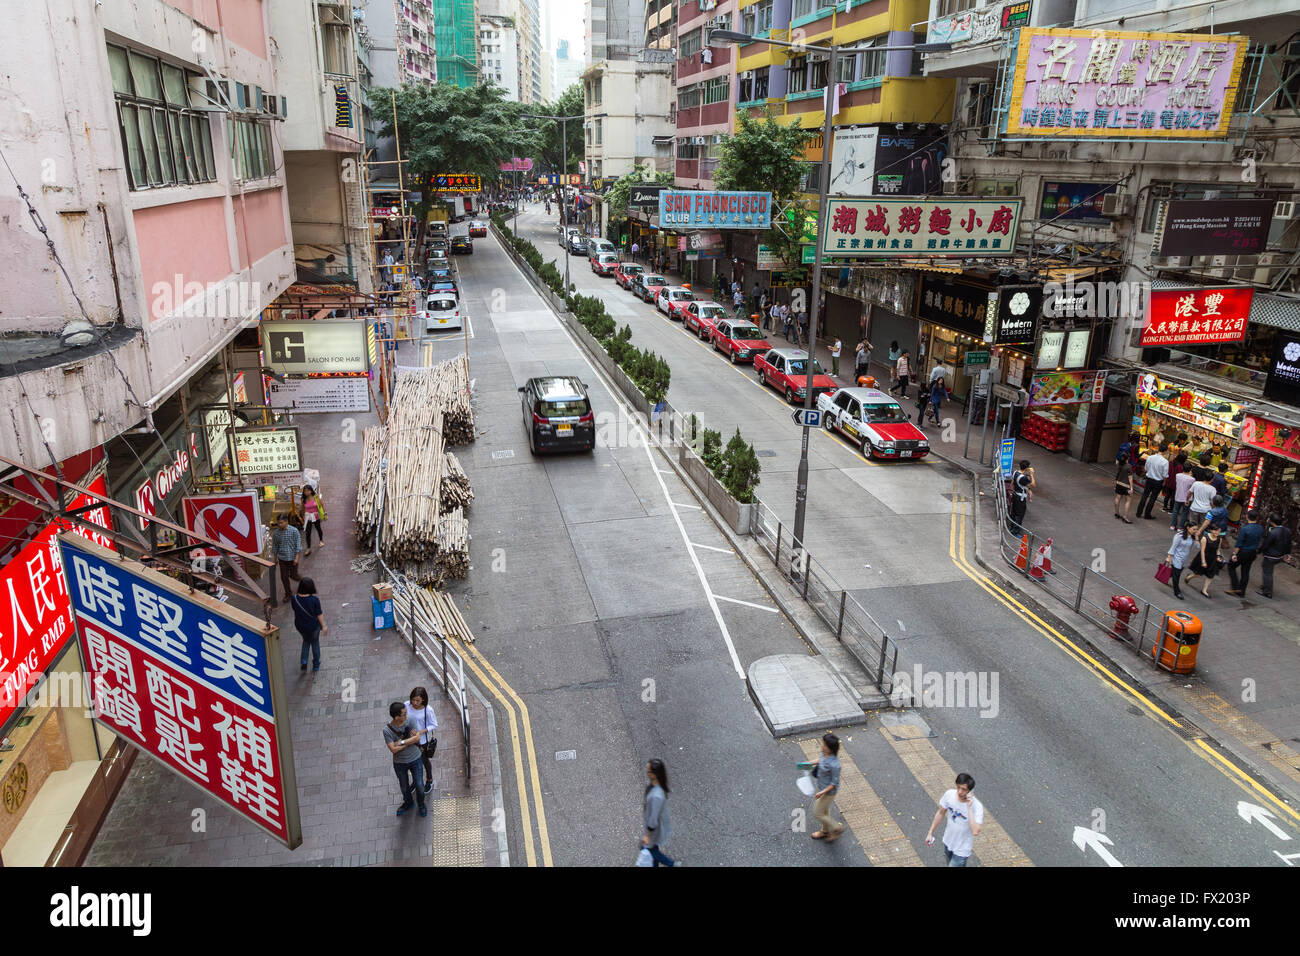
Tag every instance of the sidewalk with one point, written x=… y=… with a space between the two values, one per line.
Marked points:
x=346 y=787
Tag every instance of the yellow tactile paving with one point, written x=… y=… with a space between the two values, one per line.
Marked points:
x=866 y=815
x=457 y=832
x=993 y=846
x=1262 y=740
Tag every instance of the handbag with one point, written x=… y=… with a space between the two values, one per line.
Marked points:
x=644 y=858
x=429 y=749
x=1164 y=572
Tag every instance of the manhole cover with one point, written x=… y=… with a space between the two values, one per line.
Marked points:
x=566 y=755
x=505 y=453
x=765 y=453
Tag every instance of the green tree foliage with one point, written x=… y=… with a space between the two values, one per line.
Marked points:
x=711 y=451
x=740 y=468
x=548 y=155
x=617 y=194
x=765 y=154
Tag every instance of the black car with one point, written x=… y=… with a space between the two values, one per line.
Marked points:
x=557 y=414
x=462 y=244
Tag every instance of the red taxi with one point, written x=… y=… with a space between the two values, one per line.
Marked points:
x=786 y=370
x=739 y=339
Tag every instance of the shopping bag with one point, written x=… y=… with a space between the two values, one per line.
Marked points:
x=1164 y=572
x=806 y=785
x=644 y=858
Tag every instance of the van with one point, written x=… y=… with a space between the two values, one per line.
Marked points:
x=441 y=313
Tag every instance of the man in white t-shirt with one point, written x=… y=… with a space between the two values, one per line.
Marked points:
x=965 y=821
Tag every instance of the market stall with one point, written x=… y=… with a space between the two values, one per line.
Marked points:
x=1057 y=414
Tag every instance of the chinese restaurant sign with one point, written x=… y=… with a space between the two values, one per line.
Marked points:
x=1100 y=84
x=1271 y=437
x=946 y=226
x=704 y=209
x=1196 y=316
x=192 y=682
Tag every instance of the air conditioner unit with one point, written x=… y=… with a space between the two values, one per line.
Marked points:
x=697 y=140
x=211 y=95
x=950 y=188
x=1260 y=274
x=1284 y=209
x=1116 y=205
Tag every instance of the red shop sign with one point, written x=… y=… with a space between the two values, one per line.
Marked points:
x=1272 y=437
x=1196 y=316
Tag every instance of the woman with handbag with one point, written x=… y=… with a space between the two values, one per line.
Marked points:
x=1180 y=551
x=654 y=813
x=1124 y=487
x=313 y=516
x=1205 y=561
x=421 y=716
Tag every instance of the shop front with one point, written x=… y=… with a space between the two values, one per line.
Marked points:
x=1275 y=485
x=1060 y=408
x=953 y=314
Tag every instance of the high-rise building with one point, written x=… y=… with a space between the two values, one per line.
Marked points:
x=615 y=29
x=498 y=44
x=400 y=41
x=567 y=68
x=527 y=25
x=455 y=41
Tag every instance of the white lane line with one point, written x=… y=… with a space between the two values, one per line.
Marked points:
x=649 y=440
x=680 y=505
x=761 y=607
x=709 y=547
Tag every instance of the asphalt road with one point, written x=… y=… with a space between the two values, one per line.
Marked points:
x=1063 y=745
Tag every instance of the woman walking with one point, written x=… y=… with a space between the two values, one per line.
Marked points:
x=313 y=516
x=1124 y=487
x=421 y=716
x=938 y=392
x=654 y=813
x=1180 y=550
x=826 y=770
x=1205 y=560
x=309 y=621
x=1176 y=467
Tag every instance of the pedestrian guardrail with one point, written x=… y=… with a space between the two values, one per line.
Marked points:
x=1076 y=584
x=854 y=627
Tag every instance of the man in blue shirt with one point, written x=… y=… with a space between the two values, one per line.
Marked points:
x=1217 y=515
x=1219 y=481
x=286 y=543
x=1249 y=537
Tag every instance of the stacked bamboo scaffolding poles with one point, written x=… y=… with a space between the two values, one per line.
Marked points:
x=435 y=612
x=455 y=491
x=373 y=444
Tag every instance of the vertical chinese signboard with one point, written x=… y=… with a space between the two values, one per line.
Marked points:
x=1104 y=84
x=947 y=226
x=196 y=684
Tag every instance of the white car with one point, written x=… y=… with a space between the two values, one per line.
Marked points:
x=595 y=245
x=874 y=422
x=440 y=314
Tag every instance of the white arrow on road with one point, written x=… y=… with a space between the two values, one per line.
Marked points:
x=1252 y=813
x=1085 y=837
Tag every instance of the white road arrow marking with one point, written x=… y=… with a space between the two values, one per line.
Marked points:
x=1085 y=837
x=1253 y=813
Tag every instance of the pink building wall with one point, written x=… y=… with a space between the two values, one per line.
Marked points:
x=241 y=20
x=186 y=239
x=263 y=215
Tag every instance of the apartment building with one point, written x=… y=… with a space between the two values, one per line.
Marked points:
x=455 y=41
x=498 y=45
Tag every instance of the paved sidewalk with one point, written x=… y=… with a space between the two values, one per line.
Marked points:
x=346 y=786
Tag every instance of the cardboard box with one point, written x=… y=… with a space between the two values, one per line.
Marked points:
x=383 y=614
x=382 y=591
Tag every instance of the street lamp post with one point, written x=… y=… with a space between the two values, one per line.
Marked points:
x=823 y=182
x=564 y=170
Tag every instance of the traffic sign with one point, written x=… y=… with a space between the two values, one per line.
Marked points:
x=974 y=359
x=807 y=417
x=1008 y=456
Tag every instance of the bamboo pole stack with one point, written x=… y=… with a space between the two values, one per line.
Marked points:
x=453 y=544
x=436 y=612
x=451 y=388
x=373 y=443
x=455 y=491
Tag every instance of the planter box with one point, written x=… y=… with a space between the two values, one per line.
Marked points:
x=739 y=517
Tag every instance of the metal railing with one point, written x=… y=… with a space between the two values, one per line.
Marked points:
x=1078 y=585
x=854 y=627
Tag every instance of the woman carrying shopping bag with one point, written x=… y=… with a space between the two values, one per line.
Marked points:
x=654 y=813
x=313 y=516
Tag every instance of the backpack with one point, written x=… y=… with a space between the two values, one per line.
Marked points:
x=1123 y=452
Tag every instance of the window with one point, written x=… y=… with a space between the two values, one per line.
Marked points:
x=949 y=7
x=687 y=151
x=804 y=7
x=846 y=68
x=798 y=75
x=873 y=61
x=717 y=89
x=335 y=30
x=757 y=18
x=818 y=79
x=250 y=148
x=690 y=44
x=599 y=134
x=760 y=83
x=688 y=97
x=165 y=141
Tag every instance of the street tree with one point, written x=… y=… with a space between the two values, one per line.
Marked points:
x=617 y=195
x=549 y=155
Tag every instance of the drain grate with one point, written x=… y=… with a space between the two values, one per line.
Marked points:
x=765 y=453
x=504 y=453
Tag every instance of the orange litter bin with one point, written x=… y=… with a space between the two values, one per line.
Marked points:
x=1179 y=640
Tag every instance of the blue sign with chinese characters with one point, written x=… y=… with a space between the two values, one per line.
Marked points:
x=1008 y=456
x=714 y=209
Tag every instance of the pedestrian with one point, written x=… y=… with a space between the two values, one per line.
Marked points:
x=1246 y=548
x=922 y=400
x=938 y=392
x=826 y=769
x=836 y=346
x=763 y=302
x=1180 y=550
x=773 y=317
x=313 y=517
x=402 y=739
x=965 y=821
x=636 y=251
x=735 y=286
x=1126 y=449
x=1124 y=487
x=1176 y=467
x=861 y=361
x=1217 y=516
x=1220 y=480
x=738 y=300
x=755 y=299
x=1022 y=492
x=654 y=813
x=420 y=713
x=1200 y=496
x=1182 y=494
x=786 y=326
x=309 y=621
x=1156 y=470
x=722 y=286
x=901 y=371
x=1205 y=559
x=286 y=543
x=802 y=326
x=1275 y=547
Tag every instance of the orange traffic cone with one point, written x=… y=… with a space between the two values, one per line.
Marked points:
x=1036 y=570
x=1022 y=559
x=1046 y=552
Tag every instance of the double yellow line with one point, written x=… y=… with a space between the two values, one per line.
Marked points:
x=517 y=713
x=957 y=551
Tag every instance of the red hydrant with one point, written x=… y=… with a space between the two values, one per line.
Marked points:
x=1124 y=607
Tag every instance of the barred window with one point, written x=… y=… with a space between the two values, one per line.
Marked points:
x=798 y=75
x=250 y=148
x=166 y=143
x=688 y=97
x=717 y=89
x=690 y=44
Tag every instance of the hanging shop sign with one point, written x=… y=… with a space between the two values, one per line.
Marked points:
x=1015 y=318
x=1270 y=436
x=644 y=197
x=330 y=345
x=1190 y=405
x=1215 y=227
x=1196 y=316
x=909 y=162
x=1066 y=388
x=560 y=179
x=1283 y=383
x=455 y=182
x=517 y=165
x=36 y=621
x=853 y=161
x=1076 y=348
x=196 y=684
x=768 y=258
x=1106 y=84
x=158 y=487
x=956 y=305
x=715 y=209
x=946 y=226
x=1077 y=201
x=334 y=393
x=233 y=519
x=267 y=455
x=978 y=26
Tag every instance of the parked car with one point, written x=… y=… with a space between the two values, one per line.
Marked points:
x=700 y=317
x=739 y=339
x=671 y=299
x=874 y=421
x=647 y=285
x=438 y=228
x=463 y=244
x=477 y=229
x=445 y=286
x=437 y=244
x=604 y=263
x=557 y=414
x=566 y=234
x=626 y=272
x=577 y=243
x=786 y=370
x=596 y=244
x=441 y=312
x=437 y=262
